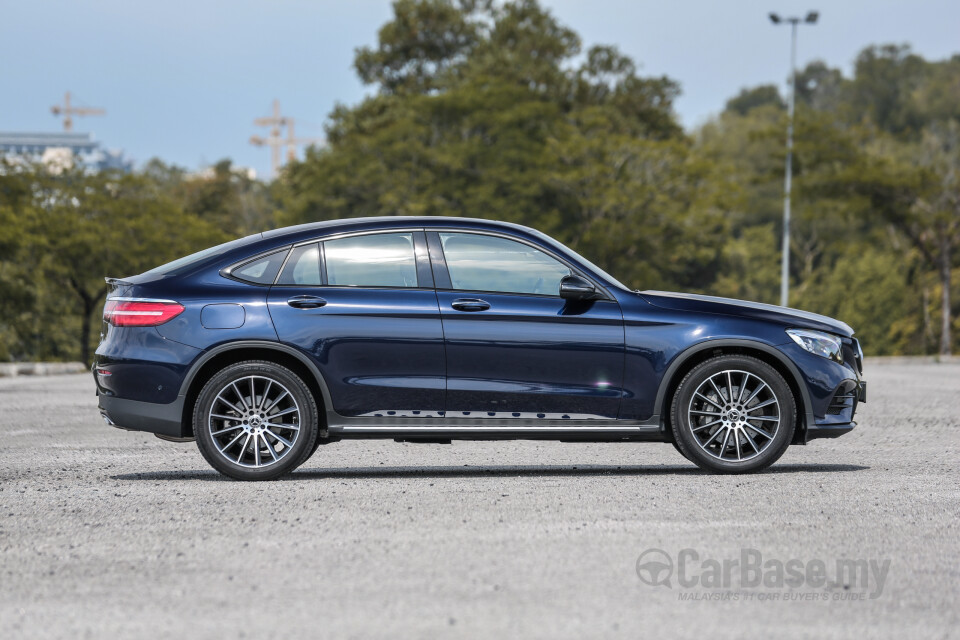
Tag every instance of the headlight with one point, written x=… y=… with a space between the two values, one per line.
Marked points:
x=822 y=344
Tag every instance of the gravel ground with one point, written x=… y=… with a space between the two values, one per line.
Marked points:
x=105 y=533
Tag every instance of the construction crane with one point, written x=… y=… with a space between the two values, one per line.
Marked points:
x=68 y=111
x=292 y=141
x=276 y=143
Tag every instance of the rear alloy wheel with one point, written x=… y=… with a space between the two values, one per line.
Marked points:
x=255 y=420
x=733 y=414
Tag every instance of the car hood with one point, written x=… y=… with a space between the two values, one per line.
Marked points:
x=731 y=307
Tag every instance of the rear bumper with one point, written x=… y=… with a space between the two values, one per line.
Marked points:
x=134 y=415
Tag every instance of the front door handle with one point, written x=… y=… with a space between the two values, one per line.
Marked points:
x=470 y=304
x=306 y=302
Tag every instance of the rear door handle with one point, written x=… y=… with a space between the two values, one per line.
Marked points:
x=306 y=302
x=470 y=304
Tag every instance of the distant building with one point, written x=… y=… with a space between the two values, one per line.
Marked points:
x=62 y=149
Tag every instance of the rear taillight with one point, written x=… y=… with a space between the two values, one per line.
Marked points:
x=128 y=312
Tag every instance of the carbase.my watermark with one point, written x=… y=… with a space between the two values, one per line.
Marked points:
x=754 y=577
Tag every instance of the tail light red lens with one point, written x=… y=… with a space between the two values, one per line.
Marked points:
x=140 y=313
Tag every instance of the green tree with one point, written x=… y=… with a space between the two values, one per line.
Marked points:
x=749 y=99
x=482 y=111
x=80 y=227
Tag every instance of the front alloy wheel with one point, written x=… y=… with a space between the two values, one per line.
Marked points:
x=733 y=414
x=255 y=421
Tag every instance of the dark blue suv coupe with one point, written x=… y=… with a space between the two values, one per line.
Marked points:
x=439 y=329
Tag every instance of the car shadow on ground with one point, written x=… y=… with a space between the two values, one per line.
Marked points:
x=488 y=471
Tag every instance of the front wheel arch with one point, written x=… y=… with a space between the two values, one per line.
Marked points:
x=686 y=360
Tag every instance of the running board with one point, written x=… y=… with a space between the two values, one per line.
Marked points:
x=582 y=430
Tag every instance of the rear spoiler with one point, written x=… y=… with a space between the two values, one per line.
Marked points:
x=117 y=282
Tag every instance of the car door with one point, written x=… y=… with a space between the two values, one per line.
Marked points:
x=514 y=347
x=364 y=309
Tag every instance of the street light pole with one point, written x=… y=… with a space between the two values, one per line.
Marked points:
x=785 y=254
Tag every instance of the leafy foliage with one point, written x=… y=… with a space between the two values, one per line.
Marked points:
x=495 y=110
x=70 y=229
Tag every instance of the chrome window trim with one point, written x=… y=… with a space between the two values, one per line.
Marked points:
x=126 y=299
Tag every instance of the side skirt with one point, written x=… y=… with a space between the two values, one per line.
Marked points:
x=497 y=429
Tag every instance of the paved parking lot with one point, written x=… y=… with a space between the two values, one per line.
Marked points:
x=105 y=533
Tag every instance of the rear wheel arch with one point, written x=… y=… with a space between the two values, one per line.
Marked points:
x=231 y=353
x=692 y=356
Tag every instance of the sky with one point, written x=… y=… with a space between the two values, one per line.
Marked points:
x=183 y=80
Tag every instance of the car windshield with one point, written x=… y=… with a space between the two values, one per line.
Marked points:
x=180 y=264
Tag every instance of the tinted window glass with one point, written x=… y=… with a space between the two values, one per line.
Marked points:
x=262 y=271
x=303 y=267
x=487 y=263
x=182 y=264
x=376 y=260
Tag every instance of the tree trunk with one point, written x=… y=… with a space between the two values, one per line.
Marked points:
x=945 y=314
x=89 y=302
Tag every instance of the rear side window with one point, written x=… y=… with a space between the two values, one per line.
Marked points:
x=376 y=260
x=303 y=267
x=262 y=270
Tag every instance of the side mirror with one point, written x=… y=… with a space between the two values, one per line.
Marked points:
x=576 y=288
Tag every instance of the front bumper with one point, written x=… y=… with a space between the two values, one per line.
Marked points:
x=829 y=430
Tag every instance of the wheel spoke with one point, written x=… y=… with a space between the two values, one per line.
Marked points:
x=256 y=449
x=273 y=453
x=280 y=425
x=233 y=442
x=736 y=441
x=283 y=440
x=729 y=387
x=751 y=441
x=276 y=400
x=228 y=403
x=220 y=416
x=766 y=418
x=243 y=448
x=227 y=430
x=723 y=447
x=717 y=389
x=756 y=391
x=760 y=431
x=762 y=404
x=243 y=401
x=743 y=386
x=266 y=392
x=713 y=437
x=716 y=404
x=284 y=412
x=709 y=424
x=703 y=413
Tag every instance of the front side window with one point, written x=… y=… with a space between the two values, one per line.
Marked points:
x=375 y=260
x=489 y=263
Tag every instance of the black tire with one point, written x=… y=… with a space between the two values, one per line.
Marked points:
x=679 y=450
x=746 y=371
x=303 y=439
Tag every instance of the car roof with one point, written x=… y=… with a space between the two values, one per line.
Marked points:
x=312 y=229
